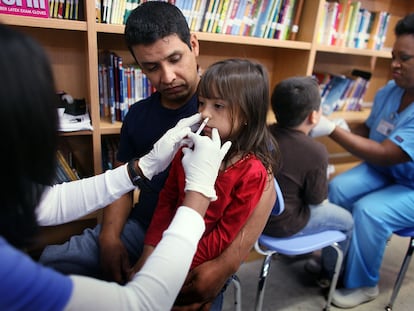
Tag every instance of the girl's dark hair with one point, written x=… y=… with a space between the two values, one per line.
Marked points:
x=245 y=85
x=293 y=99
x=154 y=20
x=29 y=126
x=405 y=26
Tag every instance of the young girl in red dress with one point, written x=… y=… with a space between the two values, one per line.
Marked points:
x=234 y=95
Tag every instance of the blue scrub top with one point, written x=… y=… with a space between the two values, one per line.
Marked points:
x=386 y=123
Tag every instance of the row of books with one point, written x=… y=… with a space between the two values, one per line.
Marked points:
x=109 y=151
x=114 y=11
x=66 y=9
x=277 y=19
x=120 y=86
x=342 y=93
x=65 y=170
x=345 y=23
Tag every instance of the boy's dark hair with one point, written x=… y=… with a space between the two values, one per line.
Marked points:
x=154 y=20
x=405 y=26
x=28 y=106
x=293 y=99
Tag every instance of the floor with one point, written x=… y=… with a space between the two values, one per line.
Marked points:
x=290 y=288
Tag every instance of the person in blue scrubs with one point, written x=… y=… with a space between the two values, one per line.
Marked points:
x=380 y=191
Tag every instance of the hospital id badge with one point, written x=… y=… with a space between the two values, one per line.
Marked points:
x=385 y=128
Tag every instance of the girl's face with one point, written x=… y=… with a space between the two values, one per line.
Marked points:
x=219 y=113
x=402 y=64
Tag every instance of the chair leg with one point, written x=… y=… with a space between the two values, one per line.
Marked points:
x=401 y=274
x=237 y=293
x=335 y=276
x=262 y=281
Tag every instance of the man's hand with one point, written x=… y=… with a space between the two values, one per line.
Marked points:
x=161 y=155
x=201 y=287
x=115 y=261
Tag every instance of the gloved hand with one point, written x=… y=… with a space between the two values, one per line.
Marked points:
x=161 y=155
x=341 y=123
x=323 y=128
x=201 y=164
x=326 y=126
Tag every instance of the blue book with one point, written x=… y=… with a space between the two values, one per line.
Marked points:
x=239 y=17
x=132 y=78
x=108 y=60
x=263 y=18
x=333 y=96
x=272 y=20
x=111 y=93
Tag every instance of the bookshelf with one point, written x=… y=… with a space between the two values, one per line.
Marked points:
x=73 y=50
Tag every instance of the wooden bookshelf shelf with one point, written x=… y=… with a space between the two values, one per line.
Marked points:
x=351 y=116
x=76 y=133
x=254 y=41
x=108 y=128
x=108 y=28
x=43 y=22
x=384 y=53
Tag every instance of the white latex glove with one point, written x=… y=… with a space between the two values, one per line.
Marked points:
x=341 y=123
x=323 y=128
x=201 y=164
x=161 y=155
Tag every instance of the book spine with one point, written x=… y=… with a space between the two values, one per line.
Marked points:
x=222 y=17
x=287 y=20
x=213 y=26
x=67 y=169
x=294 y=29
x=281 y=20
x=264 y=19
x=239 y=17
x=271 y=23
x=207 y=15
x=246 y=17
x=111 y=93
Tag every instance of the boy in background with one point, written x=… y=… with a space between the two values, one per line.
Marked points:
x=302 y=174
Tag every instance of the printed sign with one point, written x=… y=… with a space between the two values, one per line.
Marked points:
x=34 y=8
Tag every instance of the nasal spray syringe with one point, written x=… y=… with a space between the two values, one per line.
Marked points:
x=202 y=125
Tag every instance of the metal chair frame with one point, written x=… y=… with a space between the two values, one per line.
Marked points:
x=290 y=246
x=297 y=246
x=409 y=232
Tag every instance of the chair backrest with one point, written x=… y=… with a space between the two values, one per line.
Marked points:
x=279 y=206
x=405 y=232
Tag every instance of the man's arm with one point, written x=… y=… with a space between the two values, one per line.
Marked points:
x=204 y=282
x=114 y=256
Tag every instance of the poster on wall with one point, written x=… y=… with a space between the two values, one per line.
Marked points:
x=33 y=8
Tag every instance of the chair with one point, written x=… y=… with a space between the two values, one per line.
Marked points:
x=298 y=245
x=237 y=292
x=408 y=232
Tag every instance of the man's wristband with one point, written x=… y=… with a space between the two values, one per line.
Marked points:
x=136 y=176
